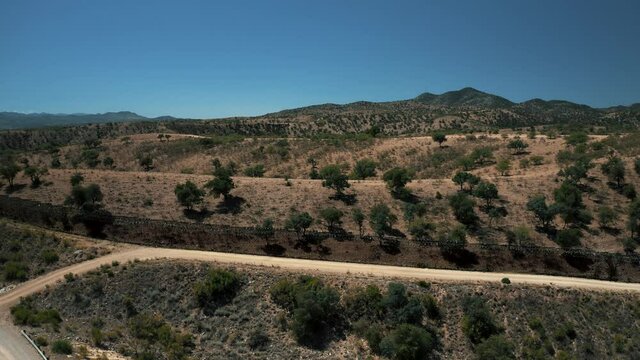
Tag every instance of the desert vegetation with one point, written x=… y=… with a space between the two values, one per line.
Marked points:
x=217 y=312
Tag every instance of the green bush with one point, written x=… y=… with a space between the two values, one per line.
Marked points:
x=219 y=286
x=15 y=271
x=477 y=322
x=50 y=256
x=315 y=308
x=254 y=171
x=408 y=342
x=568 y=238
x=62 y=347
x=497 y=347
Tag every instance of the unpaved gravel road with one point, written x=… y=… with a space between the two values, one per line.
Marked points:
x=14 y=347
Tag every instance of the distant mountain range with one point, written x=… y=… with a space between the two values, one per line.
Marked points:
x=15 y=120
x=464 y=108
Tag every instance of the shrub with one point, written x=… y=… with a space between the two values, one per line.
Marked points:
x=439 y=137
x=463 y=208
x=537 y=160
x=62 y=347
x=15 y=271
x=188 y=194
x=408 y=342
x=568 y=238
x=364 y=303
x=496 y=347
x=258 y=339
x=477 y=322
x=50 y=256
x=364 y=168
x=505 y=281
x=255 y=171
x=26 y=314
x=314 y=306
x=219 y=286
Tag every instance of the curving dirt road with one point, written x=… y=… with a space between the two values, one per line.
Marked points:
x=13 y=346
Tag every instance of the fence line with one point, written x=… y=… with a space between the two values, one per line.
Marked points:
x=50 y=215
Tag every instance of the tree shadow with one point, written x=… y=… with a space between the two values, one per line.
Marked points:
x=610 y=230
x=274 y=249
x=347 y=199
x=581 y=263
x=231 y=205
x=390 y=246
x=196 y=215
x=15 y=188
x=461 y=257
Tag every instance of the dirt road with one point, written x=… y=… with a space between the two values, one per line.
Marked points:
x=12 y=346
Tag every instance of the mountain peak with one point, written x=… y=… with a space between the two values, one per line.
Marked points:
x=467 y=96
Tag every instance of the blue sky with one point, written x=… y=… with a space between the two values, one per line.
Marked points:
x=223 y=58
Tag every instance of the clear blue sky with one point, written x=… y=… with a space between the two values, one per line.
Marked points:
x=222 y=58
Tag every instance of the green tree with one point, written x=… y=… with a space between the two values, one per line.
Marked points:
x=439 y=137
x=460 y=178
x=266 y=230
x=454 y=239
x=299 y=222
x=9 y=171
x=570 y=205
x=482 y=155
x=364 y=168
x=332 y=217
x=334 y=178
x=544 y=213
x=503 y=166
x=396 y=179
x=35 y=174
x=86 y=197
x=518 y=146
x=576 y=172
x=222 y=183
x=358 y=217
x=314 y=174
x=381 y=219
x=636 y=165
x=615 y=170
x=188 y=194
x=463 y=208
x=607 y=216
x=486 y=191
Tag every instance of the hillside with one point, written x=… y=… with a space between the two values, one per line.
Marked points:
x=464 y=110
x=158 y=310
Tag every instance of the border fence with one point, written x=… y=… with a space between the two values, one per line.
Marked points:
x=166 y=233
